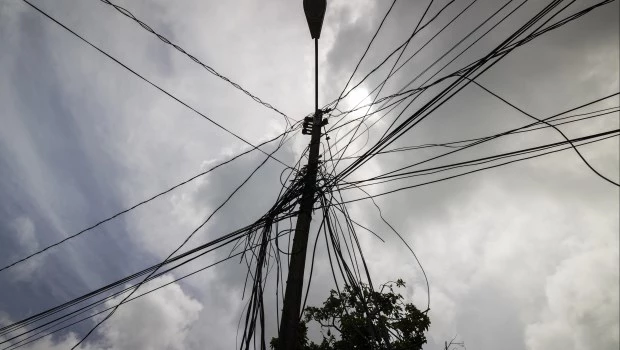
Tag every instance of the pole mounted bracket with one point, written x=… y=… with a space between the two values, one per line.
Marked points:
x=315 y=12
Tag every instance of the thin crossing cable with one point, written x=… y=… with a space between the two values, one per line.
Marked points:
x=455 y=144
x=340 y=97
x=424 y=86
x=550 y=125
x=402 y=51
x=502 y=134
x=150 y=82
x=473 y=171
x=447 y=93
x=143 y=202
x=17 y=345
x=209 y=69
x=471 y=162
x=175 y=250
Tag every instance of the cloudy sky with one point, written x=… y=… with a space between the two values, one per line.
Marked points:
x=523 y=256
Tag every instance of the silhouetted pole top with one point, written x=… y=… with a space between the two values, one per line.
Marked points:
x=315 y=12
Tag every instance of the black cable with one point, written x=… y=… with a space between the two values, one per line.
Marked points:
x=510 y=47
x=326 y=106
x=146 y=27
x=493 y=57
x=12 y=346
x=382 y=84
x=551 y=125
x=450 y=50
x=477 y=161
x=124 y=211
x=402 y=51
x=451 y=144
x=179 y=247
x=343 y=114
x=150 y=82
x=340 y=97
x=222 y=241
x=471 y=172
x=422 y=87
x=508 y=132
x=428 y=288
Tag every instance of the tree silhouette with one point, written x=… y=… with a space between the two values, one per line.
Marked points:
x=360 y=318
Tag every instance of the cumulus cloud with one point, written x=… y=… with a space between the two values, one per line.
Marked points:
x=25 y=231
x=581 y=304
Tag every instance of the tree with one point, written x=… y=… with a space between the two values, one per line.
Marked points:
x=360 y=318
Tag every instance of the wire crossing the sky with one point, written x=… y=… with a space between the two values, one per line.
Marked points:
x=209 y=69
x=185 y=104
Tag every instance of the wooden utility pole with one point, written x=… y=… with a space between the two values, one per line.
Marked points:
x=288 y=338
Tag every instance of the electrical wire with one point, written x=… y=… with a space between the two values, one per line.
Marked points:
x=145 y=201
x=469 y=172
x=477 y=161
x=550 y=125
x=209 y=69
x=149 y=82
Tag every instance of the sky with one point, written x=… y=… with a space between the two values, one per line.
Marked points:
x=524 y=256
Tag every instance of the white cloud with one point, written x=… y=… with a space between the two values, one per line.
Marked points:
x=25 y=234
x=25 y=231
x=581 y=311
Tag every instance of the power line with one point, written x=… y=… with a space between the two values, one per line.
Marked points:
x=258 y=237
x=150 y=82
x=177 y=249
x=508 y=132
x=344 y=114
x=478 y=161
x=327 y=106
x=202 y=249
x=493 y=57
x=428 y=286
x=340 y=97
x=524 y=41
x=402 y=51
x=74 y=314
x=423 y=87
x=145 y=201
x=209 y=69
x=550 y=125
x=281 y=205
x=457 y=56
x=469 y=172
x=391 y=73
x=454 y=144
x=159 y=194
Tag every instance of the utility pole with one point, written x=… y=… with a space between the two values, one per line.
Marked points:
x=288 y=338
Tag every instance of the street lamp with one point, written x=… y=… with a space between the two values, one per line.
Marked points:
x=315 y=12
